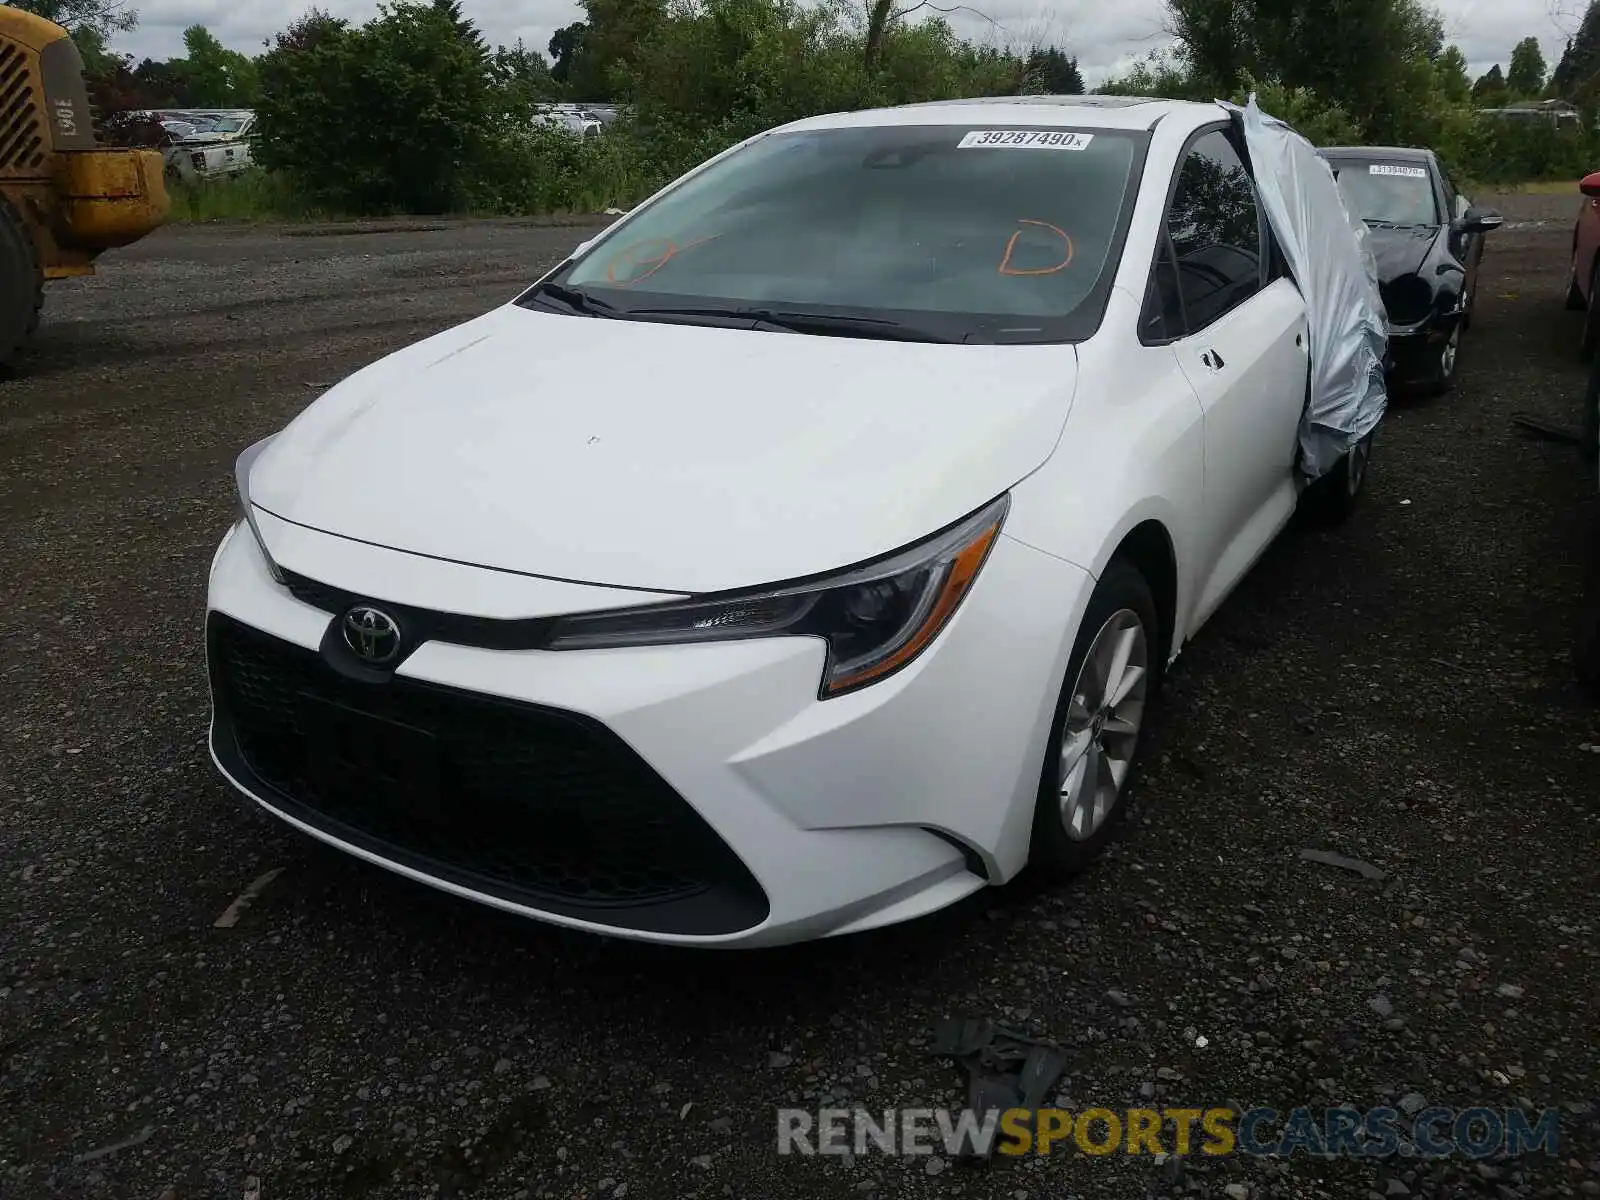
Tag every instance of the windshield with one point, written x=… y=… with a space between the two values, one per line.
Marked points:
x=1388 y=193
x=227 y=125
x=981 y=234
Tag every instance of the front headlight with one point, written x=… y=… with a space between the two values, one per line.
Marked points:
x=875 y=619
x=241 y=479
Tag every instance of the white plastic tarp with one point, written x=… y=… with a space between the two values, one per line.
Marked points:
x=1328 y=255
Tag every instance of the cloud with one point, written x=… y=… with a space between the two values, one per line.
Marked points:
x=1106 y=38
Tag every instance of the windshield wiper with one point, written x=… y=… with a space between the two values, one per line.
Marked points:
x=881 y=328
x=576 y=300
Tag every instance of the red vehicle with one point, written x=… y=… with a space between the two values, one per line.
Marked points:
x=1584 y=280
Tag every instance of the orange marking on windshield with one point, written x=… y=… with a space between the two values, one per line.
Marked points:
x=1006 y=268
x=628 y=256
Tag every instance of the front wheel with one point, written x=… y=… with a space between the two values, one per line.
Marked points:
x=1095 y=739
x=1591 y=316
x=1444 y=378
x=1586 y=643
x=21 y=283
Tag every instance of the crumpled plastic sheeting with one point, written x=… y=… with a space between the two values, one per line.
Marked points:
x=1338 y=279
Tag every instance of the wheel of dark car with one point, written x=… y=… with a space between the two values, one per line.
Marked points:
x=1591 y=317
x=1586 y=643
x=1574 y=292
x=1092 y=753
x=1331 y=499
x=1449 y=360
x=1589 y=419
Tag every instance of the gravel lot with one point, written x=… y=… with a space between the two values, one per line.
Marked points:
x=1397 y=690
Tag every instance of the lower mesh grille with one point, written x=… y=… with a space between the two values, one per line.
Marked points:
x=533 y=805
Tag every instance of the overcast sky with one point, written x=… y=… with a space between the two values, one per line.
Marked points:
x=1105 y=37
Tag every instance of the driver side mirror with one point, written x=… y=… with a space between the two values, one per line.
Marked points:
x=1590 y=186
x=1479 y=220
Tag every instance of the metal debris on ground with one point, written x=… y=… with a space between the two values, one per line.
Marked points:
x=1329 y=859
x=1005 y=1069
x=1547 y=429
x=230 y=915
x=128 y=1143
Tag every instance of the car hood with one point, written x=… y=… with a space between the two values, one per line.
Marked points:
x=668 y=457
x=1401 y=251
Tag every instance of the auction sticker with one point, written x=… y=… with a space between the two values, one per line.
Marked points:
x=1392 y=169
x=1025 y=139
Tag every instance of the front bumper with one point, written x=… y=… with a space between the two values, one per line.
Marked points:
x=690 y=794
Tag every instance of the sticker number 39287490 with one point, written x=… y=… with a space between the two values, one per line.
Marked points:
x=1025 y=139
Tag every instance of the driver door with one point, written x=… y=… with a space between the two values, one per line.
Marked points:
x=1245 y=353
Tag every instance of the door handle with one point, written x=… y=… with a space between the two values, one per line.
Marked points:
x=1213 y=360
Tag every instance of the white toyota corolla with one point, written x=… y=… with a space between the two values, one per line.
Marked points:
x=802 y=554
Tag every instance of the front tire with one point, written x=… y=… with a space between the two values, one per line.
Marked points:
x=1591 y=316
x=1449 y=361
x=21 y=283
x=1586 y=643
x=1095 y=739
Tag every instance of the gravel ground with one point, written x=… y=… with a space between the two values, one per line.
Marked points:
x=1397 y=690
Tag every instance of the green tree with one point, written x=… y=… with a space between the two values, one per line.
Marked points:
x=1490 y=89
x=565 y=45
x=1049 y=72
x=1525 y=77
x=1454 y=82
x=216 y=76
x=1368 y=56
x=1575 y=74
x=614 y=36
x=521 y=77
x=316 y=26
x=465 y=29
x=390 y=115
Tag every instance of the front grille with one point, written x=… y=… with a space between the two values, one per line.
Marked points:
x=426 y=625
x=22 y=145
x=534 y=805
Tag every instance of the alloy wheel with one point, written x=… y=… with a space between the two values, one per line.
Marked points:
x=1447 y=356
x=1104 y=717
x=1356 y=474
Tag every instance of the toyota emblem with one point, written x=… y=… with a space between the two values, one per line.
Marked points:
x=372 y=635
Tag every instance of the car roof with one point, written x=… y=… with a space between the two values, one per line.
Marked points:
x=1392 y=153
x=1094 y=112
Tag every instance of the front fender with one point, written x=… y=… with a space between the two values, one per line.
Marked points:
x=1132 y=451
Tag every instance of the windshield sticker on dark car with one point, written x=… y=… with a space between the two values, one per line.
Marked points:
x=1394 y=169
x=1025 y=139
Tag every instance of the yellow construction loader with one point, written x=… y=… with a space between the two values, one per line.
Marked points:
x=64 y=198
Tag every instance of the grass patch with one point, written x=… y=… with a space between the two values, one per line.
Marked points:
x=1546 y=187
x=250 y=196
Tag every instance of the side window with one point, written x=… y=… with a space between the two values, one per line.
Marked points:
x=1452 y=198
x=1216 y=231
x=1163 y=309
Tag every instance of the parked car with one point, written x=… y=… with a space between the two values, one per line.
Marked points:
x=569 y=118
x=1583 y=278
x=222 y=149
x=1428 y=240
x=913 y=446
